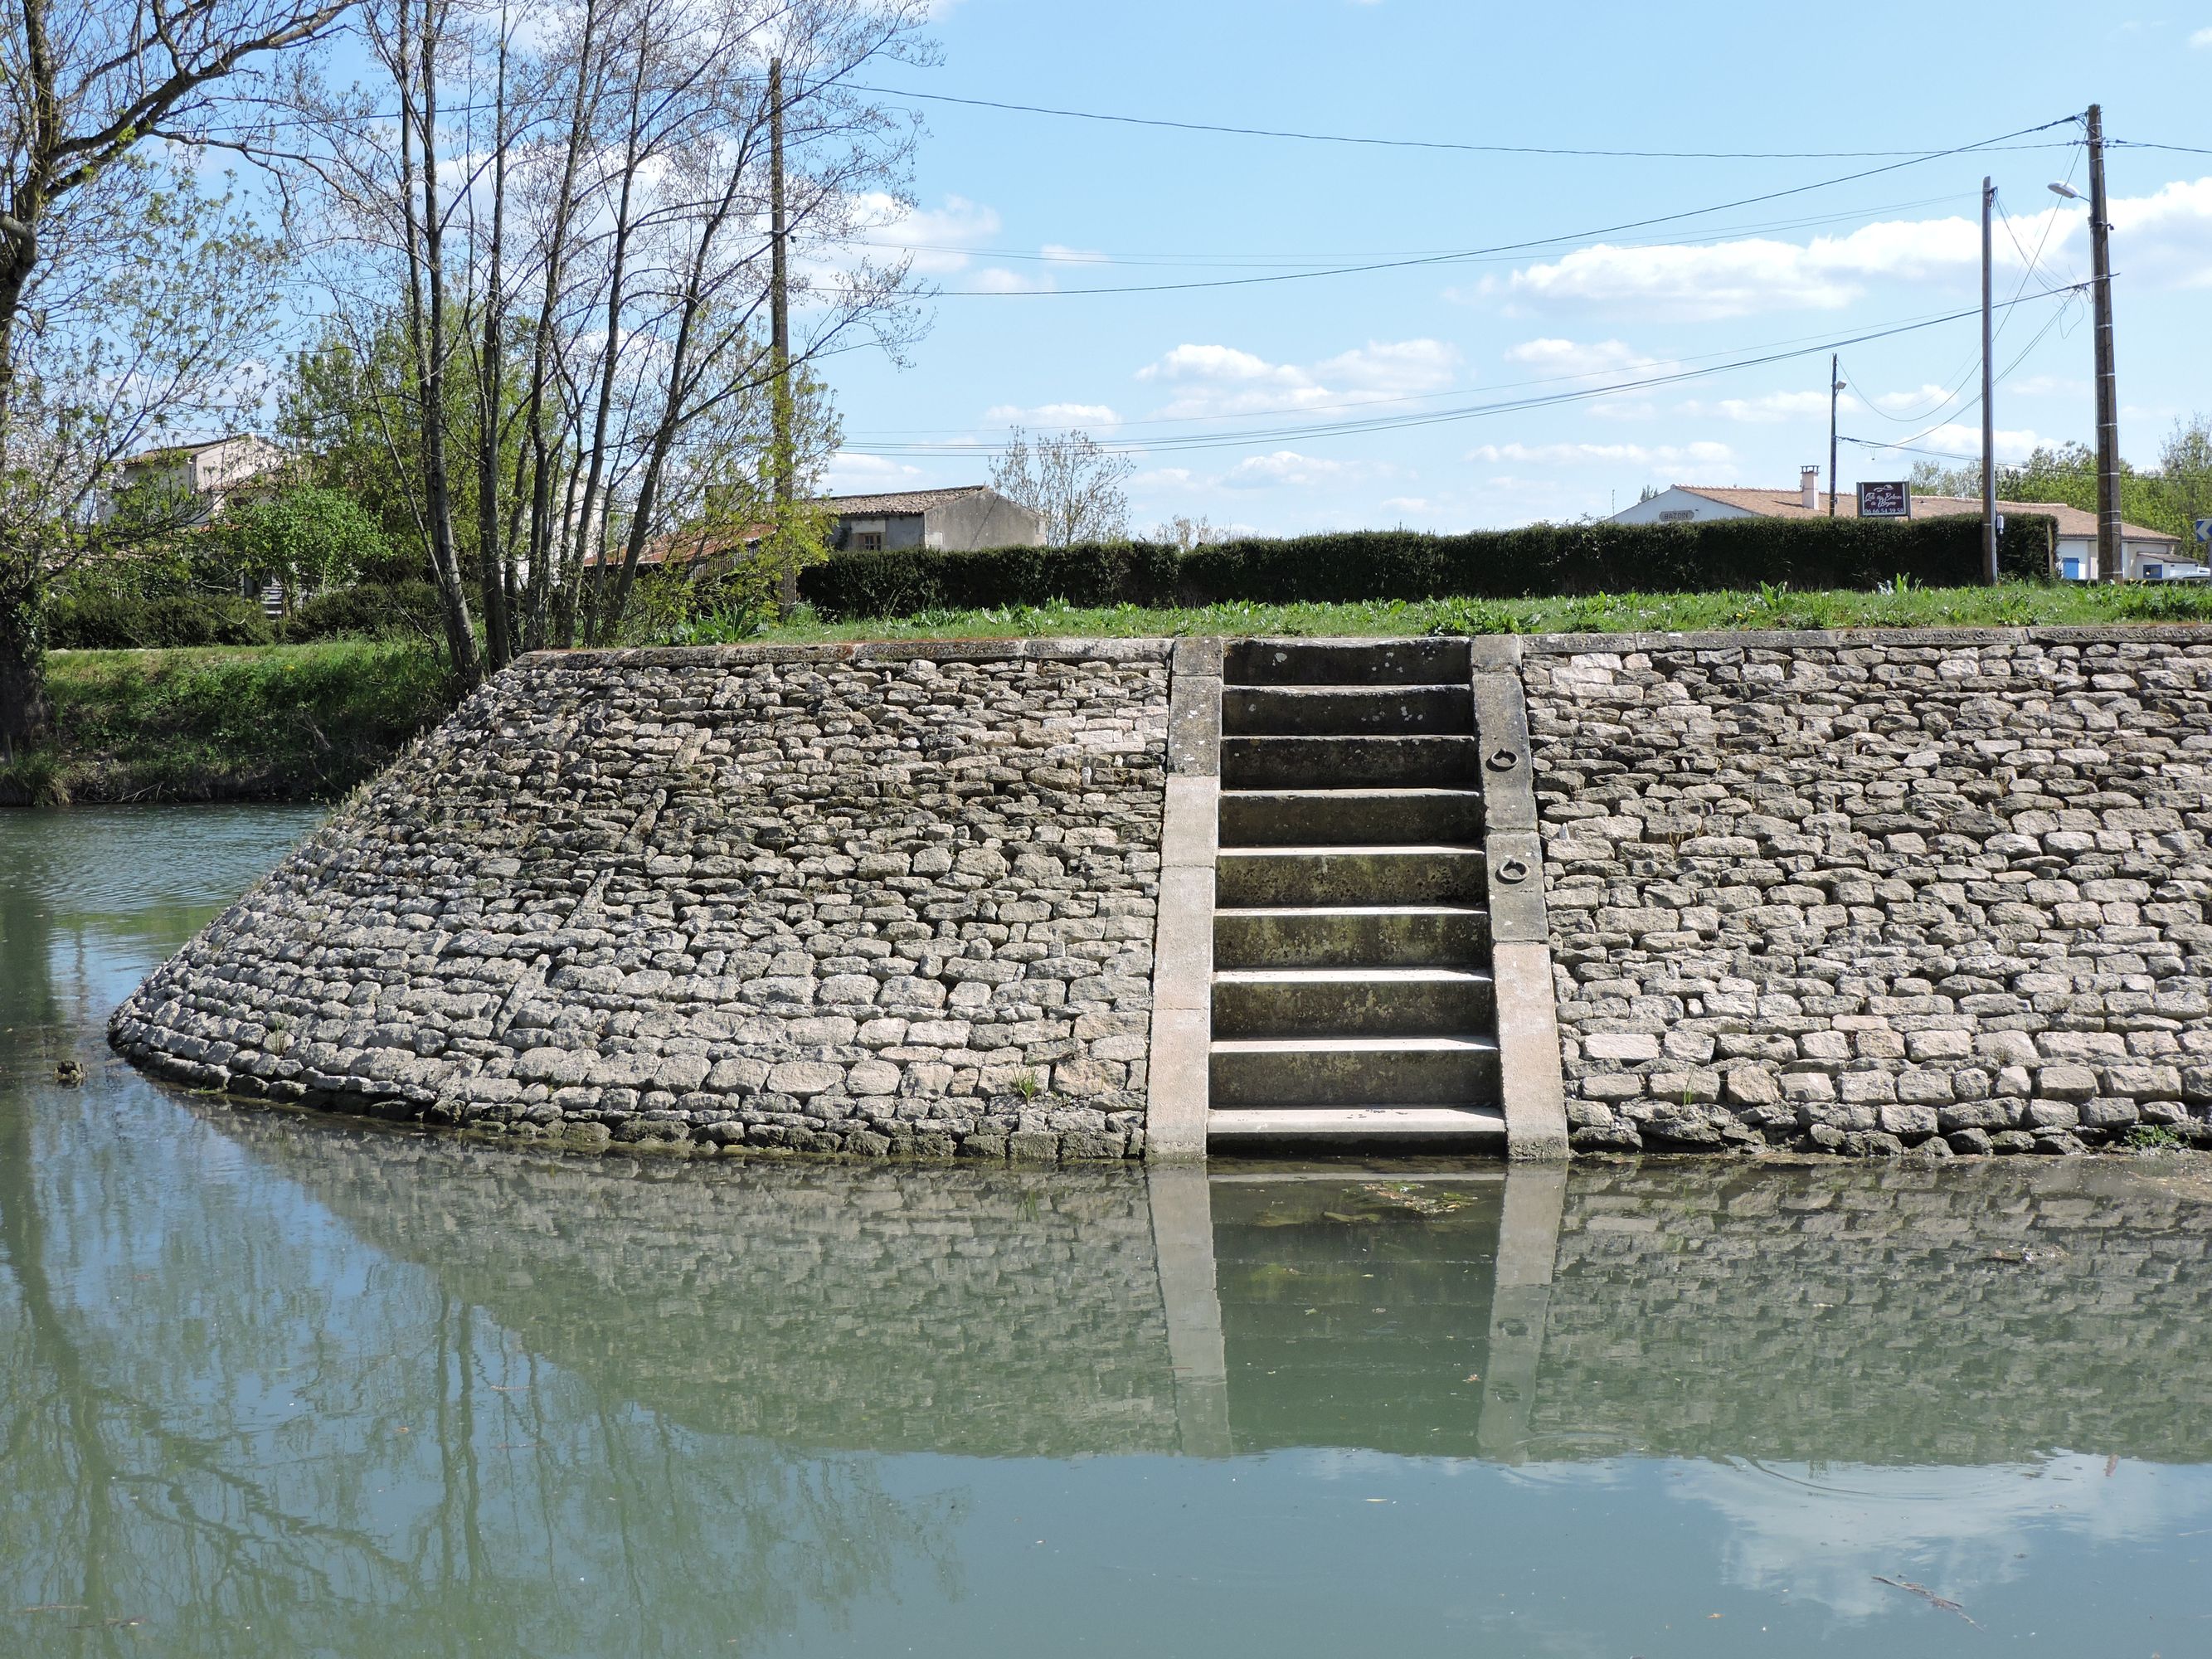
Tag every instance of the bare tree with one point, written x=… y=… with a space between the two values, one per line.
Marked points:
x=87 y=91
x=1184 y=533
x=1072 y=482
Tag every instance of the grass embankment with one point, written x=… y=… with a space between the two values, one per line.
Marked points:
x=307 y=722
x=2013 y=605
x=297 y=723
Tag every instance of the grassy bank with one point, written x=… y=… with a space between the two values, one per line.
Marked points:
x=2014 y=605
x=307 y=722
x=297 y=723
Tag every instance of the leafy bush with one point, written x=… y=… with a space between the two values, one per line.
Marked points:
x=112 y=621
x=1538 y=560
x=368 y=611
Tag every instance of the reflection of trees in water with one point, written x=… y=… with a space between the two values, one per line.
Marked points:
x=218 y=1411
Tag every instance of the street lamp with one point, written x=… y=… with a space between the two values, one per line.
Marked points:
x=2068 y=192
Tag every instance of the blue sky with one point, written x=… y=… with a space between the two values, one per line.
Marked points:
x=1005 y=199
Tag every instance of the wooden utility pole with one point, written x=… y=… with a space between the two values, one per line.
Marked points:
x=2109 y=556
x=782 y=463
x=1835 y=386
x=1989 y=394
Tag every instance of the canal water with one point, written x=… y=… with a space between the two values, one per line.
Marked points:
x=270 y=1386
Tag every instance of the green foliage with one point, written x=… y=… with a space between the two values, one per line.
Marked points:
x=2170 y=496
x=1559 y=560
x=367 y=611
x=284 y=723
x=303 y=535
x=115 y=622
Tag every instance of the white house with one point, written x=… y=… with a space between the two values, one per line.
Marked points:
x=2146 y=555
x=198 y=476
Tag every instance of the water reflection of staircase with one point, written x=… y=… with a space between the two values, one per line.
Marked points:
x=1353 y=998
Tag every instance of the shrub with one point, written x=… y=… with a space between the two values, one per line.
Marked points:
x=112 y=621
x=368 y=611
x=1534 y=561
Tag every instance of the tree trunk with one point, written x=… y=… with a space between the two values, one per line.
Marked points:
x=24 y=714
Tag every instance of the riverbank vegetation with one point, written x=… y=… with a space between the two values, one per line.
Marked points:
x=290 y=723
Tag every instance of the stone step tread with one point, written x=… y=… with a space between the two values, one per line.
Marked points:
x=1359 y=688
x=1352 y=1123
x=1351 y=976
x=1351 y=909
x=1375 y=792
x=1395 y=850
x=1467 y=1043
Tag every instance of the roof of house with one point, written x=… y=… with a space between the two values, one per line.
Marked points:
x=1790 y=504
x=904 y=501
x=181 y=452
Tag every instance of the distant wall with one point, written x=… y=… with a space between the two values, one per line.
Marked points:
x=863 y=900
x=1864 y=893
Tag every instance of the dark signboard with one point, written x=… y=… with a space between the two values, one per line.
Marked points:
x=1886 y=500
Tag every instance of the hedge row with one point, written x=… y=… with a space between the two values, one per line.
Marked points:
x=1540 y=561
x=111 y=622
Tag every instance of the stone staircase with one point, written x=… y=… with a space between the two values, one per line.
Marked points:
x=1352 y=996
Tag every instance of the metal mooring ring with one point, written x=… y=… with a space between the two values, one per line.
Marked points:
x=1512 y=869
x=1504 y=760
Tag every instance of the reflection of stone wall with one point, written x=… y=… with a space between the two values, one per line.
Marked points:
x=884 y=1306
x=1860 y=892
x=1954 y=1315
x=867 y=900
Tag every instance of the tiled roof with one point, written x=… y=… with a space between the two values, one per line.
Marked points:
x=905 y=500
x=1789 y=504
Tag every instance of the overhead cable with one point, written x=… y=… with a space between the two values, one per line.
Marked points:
x=1426 y=143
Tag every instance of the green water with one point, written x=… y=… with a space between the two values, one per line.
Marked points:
x=272 y=1387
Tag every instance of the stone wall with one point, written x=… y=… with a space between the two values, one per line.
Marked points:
x=857 y=899
x=1868 y=892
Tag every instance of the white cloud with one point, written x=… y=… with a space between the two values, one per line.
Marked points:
x=1400 y=366
x=2201 y=39
x=1957 y=438
x=1577 y=454
x=1052 y=415
x=1223 y=379
x=930 y=235
x=1771 y=409
x=996 y=279
x=851 y=475
x=1285 y=466
x=2165 y=237
x=1566 y=358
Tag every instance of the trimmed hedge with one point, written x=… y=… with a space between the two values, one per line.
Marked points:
x=109 y=622
x=1540 y=561
x=369 y=610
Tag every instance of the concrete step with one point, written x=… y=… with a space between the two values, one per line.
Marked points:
x=1356 y=1124
x=1353 y=936
x=1349 y=817
x=1345 y=662
x=1355 y=1071
x=1258 y=1002
x=1336 y=710
x=1414 y=874
x=1349 y=763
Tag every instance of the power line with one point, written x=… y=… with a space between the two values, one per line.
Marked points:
x=2178 y=150
x=1502 y=247
x=1398 y=423
x=1427 y=143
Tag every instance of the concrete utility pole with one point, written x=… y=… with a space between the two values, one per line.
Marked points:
x=782 y=463
x=1835 y=386
x=2109 y=561
x=1988 y=395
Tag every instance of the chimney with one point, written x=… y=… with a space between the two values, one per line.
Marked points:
x=1808 y=488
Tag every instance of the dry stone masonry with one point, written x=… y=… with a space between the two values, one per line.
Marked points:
x=1934 y=891
x=1867 y=893
x=861 y=900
